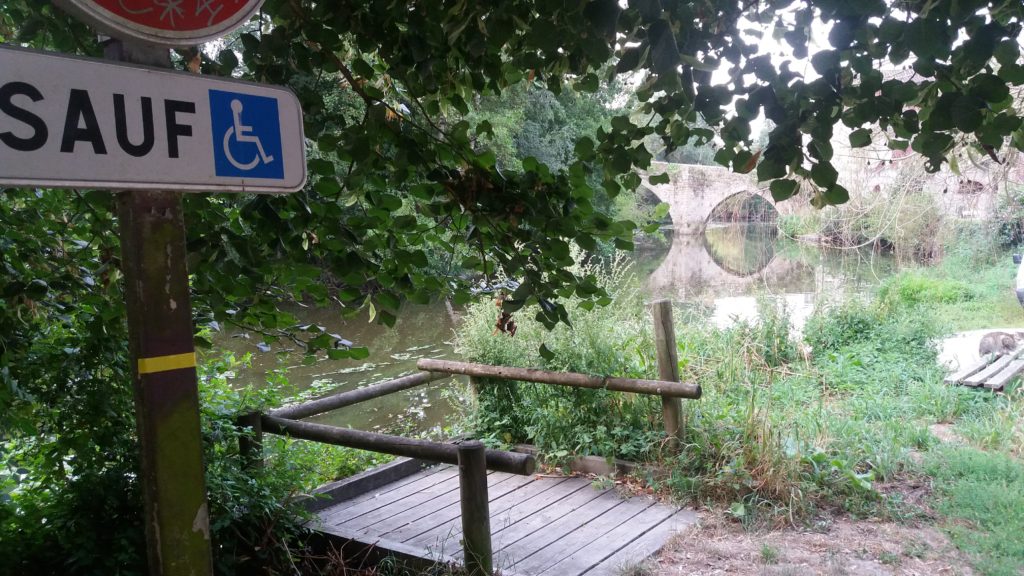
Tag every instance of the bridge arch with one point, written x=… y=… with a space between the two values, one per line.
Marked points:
x=743 y=206
x=693 y=191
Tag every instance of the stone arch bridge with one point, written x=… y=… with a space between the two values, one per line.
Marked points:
x=695 y=190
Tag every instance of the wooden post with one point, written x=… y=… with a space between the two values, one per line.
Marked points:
x=152 y=231
x=668 y=368
x=476 y=517
x=250 y=444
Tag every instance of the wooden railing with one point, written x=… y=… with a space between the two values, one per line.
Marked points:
x=472 y=458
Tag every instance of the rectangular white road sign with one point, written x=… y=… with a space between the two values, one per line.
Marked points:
x=69 y=122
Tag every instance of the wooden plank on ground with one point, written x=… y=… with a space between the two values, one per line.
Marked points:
x=564 y=542
x=1000 y=380
x=438 y=519
x=343 y=511
x=993 y=369
x=440 y=509
x=643 y=546
x=390 y=548
x=958 y=376
x=545 y=491
x=604 y=546
x=539 y=512
x=377 y=493
x=393 y=473
x=573 y=488
x=527 y=544
x=432 y=498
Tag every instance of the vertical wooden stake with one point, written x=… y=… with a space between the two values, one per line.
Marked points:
x=152 y=232
x=250 y=444
x=668 y=368
x=476 y=517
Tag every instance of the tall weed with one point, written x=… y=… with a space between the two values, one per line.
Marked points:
x=613 y=340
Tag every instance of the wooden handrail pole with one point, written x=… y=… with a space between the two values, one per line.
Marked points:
x=250 y=443
x=668 y=368
x=674 y=389
x=335 y=401
x=476 y=517
x=499 y=460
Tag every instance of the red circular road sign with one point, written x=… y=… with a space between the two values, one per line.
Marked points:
x=163 y=22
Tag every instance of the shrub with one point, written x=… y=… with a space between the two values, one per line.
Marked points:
x=912 y=288
x=615 y=340
x=88 y=519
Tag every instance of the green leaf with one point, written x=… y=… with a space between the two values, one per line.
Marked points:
x=363 y=68
x=228 y=61
x=768 y=169
x=662 y=178
x=989 y=87
x=860 y=138
x=339 y=353
x=836 y=195
x=321 y=167
x=967 y=116
x=824 y=174
x=546 y=352
x=783 y=189
x=931 y=144
x=327 y=186
x=589 y=83
x=1012 y=73
x=584 y=148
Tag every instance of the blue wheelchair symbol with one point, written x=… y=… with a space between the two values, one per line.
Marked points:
x=246 y=135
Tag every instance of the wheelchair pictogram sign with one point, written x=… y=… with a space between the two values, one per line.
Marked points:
x=246 y=135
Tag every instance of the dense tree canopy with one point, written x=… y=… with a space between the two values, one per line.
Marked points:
x=401 y=166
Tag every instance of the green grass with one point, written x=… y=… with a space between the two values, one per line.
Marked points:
x=781 y=439
x=981 y=496
x=982 y=298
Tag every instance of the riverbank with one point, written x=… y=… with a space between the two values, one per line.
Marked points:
x=782 y=440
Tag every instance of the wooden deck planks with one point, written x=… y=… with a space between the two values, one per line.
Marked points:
x=567 y=522
x=423 y=502
x=596 y=551
x=421 y=481
x=506 y=535
x=999 y=381
x=959 y=376
x=643 y=546
x=992 y=369
x=412 y=521
x=502 y=516
x=558 y=549
x=556 y=526
x=445 y=521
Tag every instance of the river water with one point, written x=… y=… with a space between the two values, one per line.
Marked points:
x=726 y=268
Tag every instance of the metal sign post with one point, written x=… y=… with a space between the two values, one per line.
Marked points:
x=153 y=253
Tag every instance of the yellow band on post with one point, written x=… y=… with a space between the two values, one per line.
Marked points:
x=167 y=363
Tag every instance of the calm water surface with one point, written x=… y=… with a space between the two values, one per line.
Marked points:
x=725 y=268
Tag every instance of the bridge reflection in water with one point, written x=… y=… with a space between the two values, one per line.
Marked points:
x=728 y=265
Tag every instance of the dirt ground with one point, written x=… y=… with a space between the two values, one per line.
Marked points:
x=843 y=547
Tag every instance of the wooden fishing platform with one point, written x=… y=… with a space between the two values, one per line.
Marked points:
x=992 y=372
x=540 y=524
